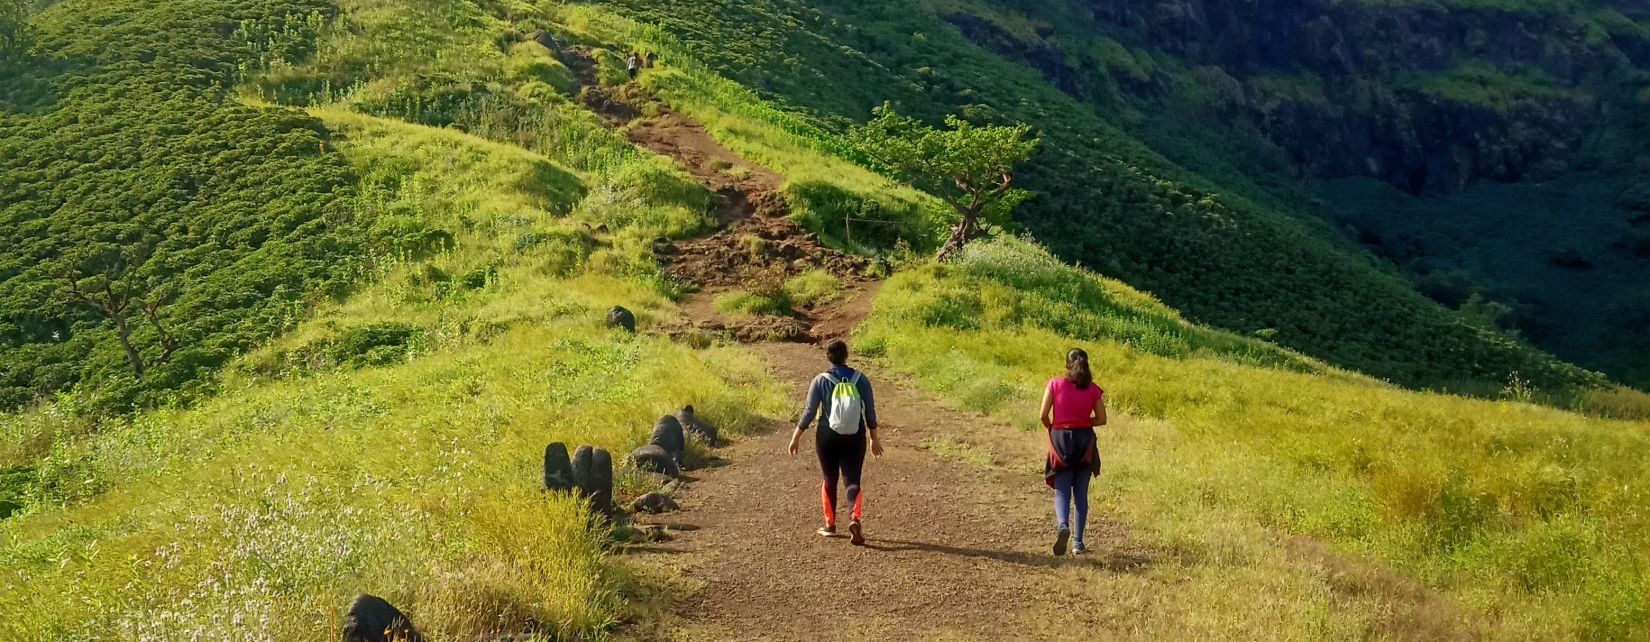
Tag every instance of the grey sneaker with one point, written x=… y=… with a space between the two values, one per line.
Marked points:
x=1079 y=549
x=1060 y=541
x=826 y=531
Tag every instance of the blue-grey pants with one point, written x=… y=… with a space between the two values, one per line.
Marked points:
x=1070 y=486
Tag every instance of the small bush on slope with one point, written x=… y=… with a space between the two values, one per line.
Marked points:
x=1476 y=499
x=812 y=288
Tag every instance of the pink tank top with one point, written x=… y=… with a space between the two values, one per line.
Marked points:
x=1074 y=408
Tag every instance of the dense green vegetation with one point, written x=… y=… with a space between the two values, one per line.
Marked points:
x=970 y=168
x=1531 y=520
x=362 y=253
x=153 y=229
x=1230 y=257
x=1507 y=96
x=379 y=423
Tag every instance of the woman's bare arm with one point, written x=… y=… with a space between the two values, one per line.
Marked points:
x=1100 y=411
x=1047 y=413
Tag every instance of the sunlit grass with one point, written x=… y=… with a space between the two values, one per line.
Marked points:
x=1526 y=517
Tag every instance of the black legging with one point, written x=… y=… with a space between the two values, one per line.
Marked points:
x=840 y=456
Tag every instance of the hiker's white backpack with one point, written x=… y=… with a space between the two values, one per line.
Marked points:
x=847 y=408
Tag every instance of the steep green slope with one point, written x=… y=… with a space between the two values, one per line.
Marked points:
x=389 y=440
x=1494 y=99
x=153 y=230
x=1529 y=520
x=1104 y=199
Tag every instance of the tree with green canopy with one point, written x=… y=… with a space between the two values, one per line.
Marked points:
x=970 y=167
x=14 y=27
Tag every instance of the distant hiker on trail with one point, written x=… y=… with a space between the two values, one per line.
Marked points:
x=1073 y=406
x=633 y=64
x=841 y=399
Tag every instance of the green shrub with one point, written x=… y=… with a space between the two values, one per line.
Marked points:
x=813 y=288
x=530 y=61
x=742 y=303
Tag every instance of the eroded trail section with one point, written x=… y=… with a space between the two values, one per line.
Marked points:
x=754 y=242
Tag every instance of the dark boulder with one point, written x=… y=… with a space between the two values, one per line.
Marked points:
x=600 y=486
x=619 y=317
x=558 y=467
x=652 y=458
x=667 y=434
x=654 y=503
x=699 y=428
x=371 y=619
x=581 y=469
x=545 y=39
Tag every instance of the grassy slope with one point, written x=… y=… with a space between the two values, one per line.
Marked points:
x=416 y=478
x=1191 y=122
x=1528 y=518
x=1105 y=200
x=304 y=483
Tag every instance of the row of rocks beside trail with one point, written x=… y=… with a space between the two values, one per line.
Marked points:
x=666 y=452
x=588 y=471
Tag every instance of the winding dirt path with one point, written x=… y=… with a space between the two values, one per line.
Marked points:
x=958 y=536
x=956 y=549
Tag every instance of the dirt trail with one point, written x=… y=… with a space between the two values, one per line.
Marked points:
x=944 y=557
x=958 y=537
x=755 y=239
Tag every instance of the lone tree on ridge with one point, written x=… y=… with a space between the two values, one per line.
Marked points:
x=971 y=168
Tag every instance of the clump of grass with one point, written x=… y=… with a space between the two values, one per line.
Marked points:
x=964 y=452
x=812 y=288
x=755 y=246
x=742 y=303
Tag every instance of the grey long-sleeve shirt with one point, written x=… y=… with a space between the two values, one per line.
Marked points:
x=819 y=399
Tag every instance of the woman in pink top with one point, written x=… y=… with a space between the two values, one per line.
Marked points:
x=1073 y=406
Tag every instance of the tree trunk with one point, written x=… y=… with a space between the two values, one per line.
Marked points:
x=964 y=231
x=125 y=332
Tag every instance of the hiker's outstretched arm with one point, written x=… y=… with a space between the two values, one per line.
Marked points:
x=870 y=402
x=810 y=408
x=1047 y=412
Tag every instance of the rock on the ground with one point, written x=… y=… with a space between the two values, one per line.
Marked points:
x=558 y=467
x=581 y=469
x=667 y=434
x=619 y=317
x=654 y=533
x=600 y=488
x=372 y=619
x=693 y=425
x=654 y=503
x=653 y=458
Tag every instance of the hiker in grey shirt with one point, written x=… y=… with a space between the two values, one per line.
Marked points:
x=842 y=401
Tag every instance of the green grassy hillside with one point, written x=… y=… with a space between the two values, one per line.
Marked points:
x=1233 y=257
x=395 y=234
x=1528 y=519
x=389 y=440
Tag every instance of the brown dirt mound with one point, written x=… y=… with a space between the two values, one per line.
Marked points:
x=756 y=243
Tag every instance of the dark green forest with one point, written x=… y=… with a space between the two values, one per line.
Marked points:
x=1220 y=245
x=155 y=227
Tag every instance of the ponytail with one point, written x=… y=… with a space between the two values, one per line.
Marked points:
x=1077 y=369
